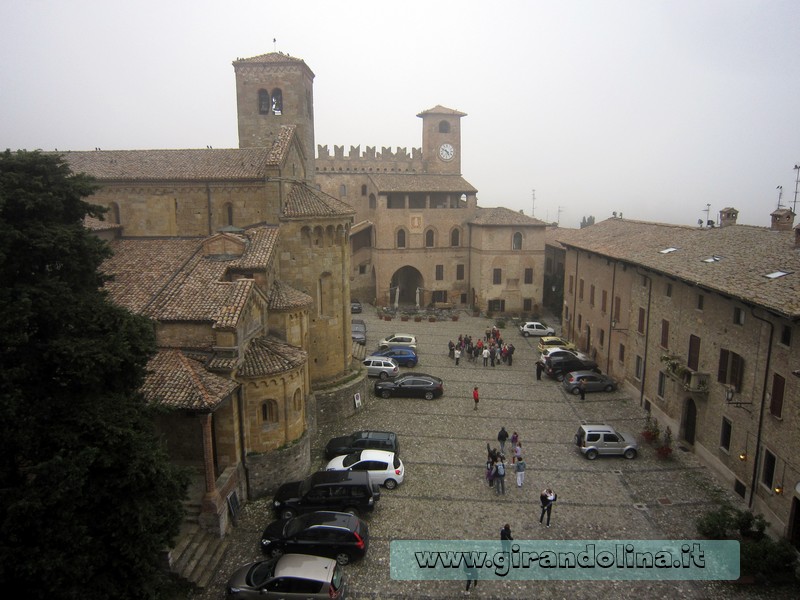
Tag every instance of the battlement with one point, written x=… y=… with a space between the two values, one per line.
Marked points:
x=386 y=153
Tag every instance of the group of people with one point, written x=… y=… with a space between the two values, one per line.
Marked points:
x=491 y=348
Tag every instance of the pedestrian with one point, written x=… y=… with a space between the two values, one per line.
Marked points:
x=492 y=355
x=547 y=497
x=538 y=370
x=490 y=462
x=520 y=467
x=517 y=452
x=502 y=436
x=514 y=440
x=500 y=476
x=457 y=354
x=475 y=396
x=506 y=538
x=450 y=348
x=511 y=354
x=582 y=388
x=470 y=574
x=485 y=355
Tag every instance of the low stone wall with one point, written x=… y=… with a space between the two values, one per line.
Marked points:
x=267 y=472
x=339 y=402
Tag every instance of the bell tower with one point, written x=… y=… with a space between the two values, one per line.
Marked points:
x=273 y=90
x=441 y=140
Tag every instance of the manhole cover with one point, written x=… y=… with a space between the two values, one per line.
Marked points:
x=640 y=506
x=664 y=501
x=617 y=471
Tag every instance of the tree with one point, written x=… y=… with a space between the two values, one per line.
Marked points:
x=586 y=221
x=88 y=498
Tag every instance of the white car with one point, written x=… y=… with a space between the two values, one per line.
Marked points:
x=398 y=340
x=535 y=328
x=561 y=352
x=384 y=468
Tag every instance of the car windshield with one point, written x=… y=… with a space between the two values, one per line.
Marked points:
x=351 y=459
x=336 y=578
x=261 y=573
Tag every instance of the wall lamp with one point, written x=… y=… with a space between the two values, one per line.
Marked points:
x=743 y=456
x=778 y=489
x=614 y=326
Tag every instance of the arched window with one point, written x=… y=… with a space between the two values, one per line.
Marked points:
x=444 y=126
x=228 y=213
x=516 y=241
x=401 y=238
x=343 y=191
x=113 y=212
x=263 y=102
x=429 y=238
x=455 y=237
x=364 y=189
x=297 y=401
x=269 y=411
x=372 y=201
x=277 y=102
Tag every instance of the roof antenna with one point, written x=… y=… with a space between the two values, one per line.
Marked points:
x=796 y=184
x=780 y=194
x=533 y=203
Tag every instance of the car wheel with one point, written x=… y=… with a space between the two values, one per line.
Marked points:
x=390 y=484
x=411 y=364
x=630 y=453
x=287 y=513
x=560 y=377
x=385 y=394
x=351 y=510
x=609 y=388
x=343 y=558
x=525 y=334
x=384 y=375
x=591 y=454
x=575 y=391
x=428 y=395
x=276 y=552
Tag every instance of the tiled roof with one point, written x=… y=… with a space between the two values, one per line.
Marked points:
x=415 y=182
x=733 y=260
x=272 y=58
x=442 y=110
x=305 y=201
x=270 y=356
x=179 y=165
x=284 y=297
x=177 y=381
x=503 y=216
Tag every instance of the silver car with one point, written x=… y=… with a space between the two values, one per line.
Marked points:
x=381 y=366
x=403 y=340
x=289 y=576
x=599 y=439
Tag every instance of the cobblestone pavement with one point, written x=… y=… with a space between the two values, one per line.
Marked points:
x=445 y=496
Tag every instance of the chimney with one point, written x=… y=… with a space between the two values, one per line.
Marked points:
x=728 y=216
x=782 y=219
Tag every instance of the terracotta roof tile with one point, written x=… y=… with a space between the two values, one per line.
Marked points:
x=284 y=297
x=442 y=110
x=415 y=182
x=503 y=216
x=95 y=224
x=270 y=356
x=272 y=58
x=305 y=201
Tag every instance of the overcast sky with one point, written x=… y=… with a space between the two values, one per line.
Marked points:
x=652 y=108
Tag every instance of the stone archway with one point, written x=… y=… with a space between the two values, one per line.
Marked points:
x=409 y=279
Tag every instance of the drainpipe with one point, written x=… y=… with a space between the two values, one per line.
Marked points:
x=574 y=298
x=646 y=335
x=761 y=408
x=611 y=317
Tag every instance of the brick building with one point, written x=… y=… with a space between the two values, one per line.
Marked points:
x=701 y=323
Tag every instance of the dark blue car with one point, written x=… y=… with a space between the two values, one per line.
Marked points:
x=405 y=357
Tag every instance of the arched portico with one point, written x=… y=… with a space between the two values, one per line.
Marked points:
x=407 y=280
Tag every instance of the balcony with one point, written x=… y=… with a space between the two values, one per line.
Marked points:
x=692 y=381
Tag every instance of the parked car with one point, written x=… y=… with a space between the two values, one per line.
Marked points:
x=355 y=306
x=561 y=352
x=599 y=439
x=384 y=468
x=551 y=341
x=342 y=491
x=362 y=440
x=405 y=357
x=381 y=366
x=341 y=536
x=593 y=382
x=358 y=331
x=558 y=367
x=289 y=576
x=411 y=385
x=535 y=328
x=395 y=340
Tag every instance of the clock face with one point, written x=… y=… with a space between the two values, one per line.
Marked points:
x=446 y=152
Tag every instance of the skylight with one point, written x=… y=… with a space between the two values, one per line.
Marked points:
x=777 y=274
x=667 y=250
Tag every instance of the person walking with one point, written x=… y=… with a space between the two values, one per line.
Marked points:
x=492 y=355
x=485 y=355
x=511 y=354
x=517 y=452
x=514 y=440
x=457 y=354
x=502 y=436
x=470 y=574
x=582 y=388
x=450 y=348
x=547 y=497
x=538 y=371
x=520 y=467
x=500 y=476
x=475 y=397
x=506 y=538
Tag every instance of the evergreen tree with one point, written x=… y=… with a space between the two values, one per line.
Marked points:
x=88 y=499
x=586 y=221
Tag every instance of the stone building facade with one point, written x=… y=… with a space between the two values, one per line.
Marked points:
x=701 y=324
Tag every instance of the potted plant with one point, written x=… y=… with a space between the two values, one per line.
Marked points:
x=417 y=318
x=651 y=432
x=404 y=317
x=665 y=449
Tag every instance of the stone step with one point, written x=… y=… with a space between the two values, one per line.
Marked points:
x=196 y=555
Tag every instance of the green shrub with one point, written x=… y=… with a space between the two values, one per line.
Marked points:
x=715 y=524
x=767 y=559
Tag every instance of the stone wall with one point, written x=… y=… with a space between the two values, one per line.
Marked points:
x=338 y=403
x=268 y=471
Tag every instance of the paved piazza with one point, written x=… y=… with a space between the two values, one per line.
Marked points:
x=445 y=495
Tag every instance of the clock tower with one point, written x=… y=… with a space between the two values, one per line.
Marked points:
x=441 y=140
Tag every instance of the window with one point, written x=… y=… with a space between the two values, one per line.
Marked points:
x=343 y=191
x=269 y=411
x=444 y=127
x=497 y=305
x=668 y=291
x=497 y=276
x=440 y=296
x=725 y=435
x=639 y=368
x=603 y=301
x=622 y=353
x=776 y=403
x=738 y=316
x=516 y=241
x=786 y=335
x=602 y=338
x=228 y=213
x=731 y=369
x=580 y=290
x=768 y=469
x=460 y=272
x=528 y=275
x=455 y=237
x=401 y=238
x=439 y=272
x=617 y=303
x=580 y=321
x=527 y=304
x=700 y=301
x=693 y=362
x=429 y=238
x=640 y=325
x=664 y=333
x=263 y=102
x=362 y=269
x=571 y=283
x=591 y=295
x=662 y=384
x=277 y=102
x=364 y=189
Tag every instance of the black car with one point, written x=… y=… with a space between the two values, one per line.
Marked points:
x=362 y=440
x=342 y=491
x=355 y=306
x=411 y=384
x=337 y=535
x=558 y=366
